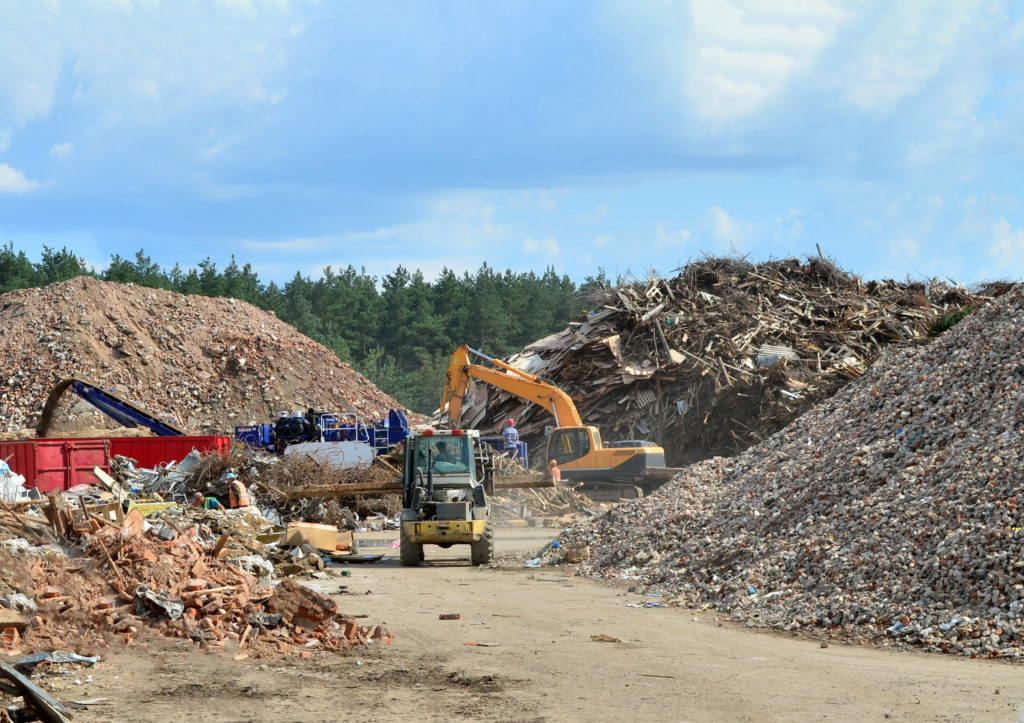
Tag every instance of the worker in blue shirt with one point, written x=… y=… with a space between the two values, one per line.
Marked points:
x=510 y=438
x=207 y=503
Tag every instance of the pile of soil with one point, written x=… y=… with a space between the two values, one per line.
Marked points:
x=207 y=363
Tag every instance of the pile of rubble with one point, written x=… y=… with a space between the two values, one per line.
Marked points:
x=87 y=577
x=721 y=356
x=555 y=506
x=211 y=364
x=891 y=512
x=283 y=487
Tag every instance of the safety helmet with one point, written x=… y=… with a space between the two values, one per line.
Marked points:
x=552 y=463
x=232 y=475
x=510 y=422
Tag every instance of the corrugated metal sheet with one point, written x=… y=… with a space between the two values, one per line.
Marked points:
x=768 y=354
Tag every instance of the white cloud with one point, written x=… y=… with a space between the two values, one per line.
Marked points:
x=904 y=251
x=787 y=231
x=291 y=244
x=603 y=239
x=664 y=238
x=1007 y=248
x=905 y=47
x=61 y=150
x=726 y=229
x=745 y=53
x=142 y=63
x=599 y=213
x=5 y=139
x=451 y=223
x=548 y=247
x=546 y=202
x=14 y=181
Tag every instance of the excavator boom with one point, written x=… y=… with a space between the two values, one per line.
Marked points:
x=576 y=448
x=506 y=377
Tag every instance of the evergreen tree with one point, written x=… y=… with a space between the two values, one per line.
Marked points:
x=399 y=334
x=16 y=271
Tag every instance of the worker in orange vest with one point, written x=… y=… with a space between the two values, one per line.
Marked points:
x=556 y=474
x=238 y=495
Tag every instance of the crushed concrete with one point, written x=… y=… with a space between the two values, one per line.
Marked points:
x=890 y=513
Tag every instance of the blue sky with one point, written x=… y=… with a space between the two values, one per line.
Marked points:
x=633 y=136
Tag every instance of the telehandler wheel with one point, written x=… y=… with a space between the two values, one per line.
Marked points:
x=480 y=552
x=409 y=553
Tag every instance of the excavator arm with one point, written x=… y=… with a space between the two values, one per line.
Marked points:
x=508 y=378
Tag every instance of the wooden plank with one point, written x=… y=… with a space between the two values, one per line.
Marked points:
x=48 y=709
x=110 y=483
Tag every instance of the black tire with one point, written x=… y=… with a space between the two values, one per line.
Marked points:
x=481 y=551
x=409 y=553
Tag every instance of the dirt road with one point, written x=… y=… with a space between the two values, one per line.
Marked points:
x=541 y=664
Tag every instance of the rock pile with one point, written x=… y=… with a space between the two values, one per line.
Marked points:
x=891 y=512
x=722 y=355
x=211 y=364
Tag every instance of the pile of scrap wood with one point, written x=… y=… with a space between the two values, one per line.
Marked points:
x=287 y=486
x=555 y=506
x=722 y=355
x=84 y=577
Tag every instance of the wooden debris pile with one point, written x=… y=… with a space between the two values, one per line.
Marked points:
x=210 y=363
x=111 y=582
x=273 y=481
x=555 y=506
x=723 y=354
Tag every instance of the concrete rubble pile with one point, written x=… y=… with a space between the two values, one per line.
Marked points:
x=720 y=356
x=210 y=364
x=83 y=580
x=890 y=513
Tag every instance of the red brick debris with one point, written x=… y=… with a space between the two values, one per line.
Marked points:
x=102 y=594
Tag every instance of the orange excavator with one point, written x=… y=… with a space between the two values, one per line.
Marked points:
x=577 y=448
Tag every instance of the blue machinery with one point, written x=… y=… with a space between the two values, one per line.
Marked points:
x=324 y=427
x=120 y=410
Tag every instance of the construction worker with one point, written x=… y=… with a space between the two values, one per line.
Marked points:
x=238 y=495
x=510 y=438
x=556 y=474
x=443 y=454
x=207 y=503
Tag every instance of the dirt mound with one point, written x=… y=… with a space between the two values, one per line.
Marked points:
x=723 y=354
x=209 y=364
x=888 y=512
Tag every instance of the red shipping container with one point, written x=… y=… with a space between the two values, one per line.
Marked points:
x=54 y=464
x=63 y=462
x=152 y=452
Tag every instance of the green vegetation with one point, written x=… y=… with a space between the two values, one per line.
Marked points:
x=399 y=330
x=948 y=321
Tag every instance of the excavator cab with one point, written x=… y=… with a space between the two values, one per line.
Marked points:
x=568 y=444
x=443 y=498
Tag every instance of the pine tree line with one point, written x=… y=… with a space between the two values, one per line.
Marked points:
x=399 y=330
